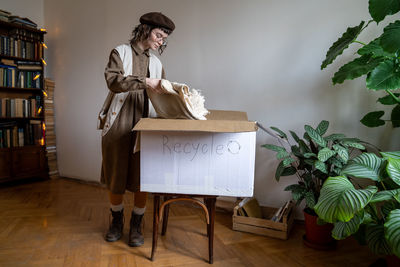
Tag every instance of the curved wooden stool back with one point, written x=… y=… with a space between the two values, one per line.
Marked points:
x=161 y=214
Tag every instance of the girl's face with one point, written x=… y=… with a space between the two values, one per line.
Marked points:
x=156 y=38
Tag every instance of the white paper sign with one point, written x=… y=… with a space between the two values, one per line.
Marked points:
x=219 y=164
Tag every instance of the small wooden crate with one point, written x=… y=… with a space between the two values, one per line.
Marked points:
x=265 y=226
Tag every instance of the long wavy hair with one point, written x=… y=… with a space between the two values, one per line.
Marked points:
x=142 y=31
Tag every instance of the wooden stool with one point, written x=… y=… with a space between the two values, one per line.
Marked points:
x=161 y=213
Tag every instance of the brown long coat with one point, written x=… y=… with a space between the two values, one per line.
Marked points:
x=120 y=166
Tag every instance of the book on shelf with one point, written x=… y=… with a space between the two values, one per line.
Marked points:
x=23 y=46
x=20 y=107
x=14 y=134
x=20 y=75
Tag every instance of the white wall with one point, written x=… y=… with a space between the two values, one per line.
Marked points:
x=259 y=56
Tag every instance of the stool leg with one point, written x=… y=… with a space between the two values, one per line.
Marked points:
x=208 y=208
x=165 y=217
x=155 y=225
x=210 y=229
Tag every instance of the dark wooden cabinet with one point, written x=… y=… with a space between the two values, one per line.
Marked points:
x=22 y=162
x=22 y=95
x=5 y=164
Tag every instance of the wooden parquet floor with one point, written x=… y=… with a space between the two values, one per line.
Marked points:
x=61 y=222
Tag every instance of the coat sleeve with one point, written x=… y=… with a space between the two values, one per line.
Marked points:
x=114 y=75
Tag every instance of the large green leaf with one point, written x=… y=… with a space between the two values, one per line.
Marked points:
x=340 y=201
x=279 y=171
x=319 y=165
x=288 y=171
x=342 y=152
x=366 y=165
x=274 y=147
x=282 y=155
x=356 y=68
x=310 y=199
x=390 y=39
x=352 y=144
x=309 y=155
x=379 y=9
x=284 y=168
x=392 y=154
x=315 y=136
x=388 y=206
x=386 y=195
x=336 y=162
x=294 y=135
x=325 y=153
x=287 y=162
x=373 y=119
x=333 y=137
x=388 y=100
x=374 y=49
x=297 y=190
x=393 y=169
x=375 y=237
x=341 y=230
x=384 y=76
x=395 y=116
x=392 y=231
x=303 y=146
x=322 y=127
x=341 y=44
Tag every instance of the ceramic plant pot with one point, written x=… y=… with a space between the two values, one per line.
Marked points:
x=317 y=236
x=392 y=261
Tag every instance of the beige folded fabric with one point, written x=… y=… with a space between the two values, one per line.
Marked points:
x=181 y=102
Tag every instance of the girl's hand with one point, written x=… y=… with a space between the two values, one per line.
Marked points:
x=155 y=85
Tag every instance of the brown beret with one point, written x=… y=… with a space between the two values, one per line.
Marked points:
x=157 y=19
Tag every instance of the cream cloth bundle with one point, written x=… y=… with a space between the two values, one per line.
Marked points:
x=181 y=102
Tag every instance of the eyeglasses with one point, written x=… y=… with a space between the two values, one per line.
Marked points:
x=160 y=37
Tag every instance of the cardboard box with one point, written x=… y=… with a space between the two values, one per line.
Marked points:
x=265 y=226
x=212 y=157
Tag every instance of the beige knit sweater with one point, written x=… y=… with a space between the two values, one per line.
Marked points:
x=181 y=102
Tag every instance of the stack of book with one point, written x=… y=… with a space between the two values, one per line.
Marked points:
x=5 y=15
x=22 y=21
x=50 y=130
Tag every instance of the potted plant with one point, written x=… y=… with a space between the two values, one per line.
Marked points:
x=313 y=159
x=378 y=60
x=371 y=213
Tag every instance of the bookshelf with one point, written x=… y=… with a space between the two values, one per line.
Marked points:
x=22 y=108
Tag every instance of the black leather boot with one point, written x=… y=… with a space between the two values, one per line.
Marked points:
x=135 y=233
x=116 y=227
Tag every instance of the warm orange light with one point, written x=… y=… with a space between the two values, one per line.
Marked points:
x=43 y=30
x=44 y=127
x=44 y=45
x=39 y=110
x=42 y=141
x=44 y=62
x=44 y=93
x=36 y=77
